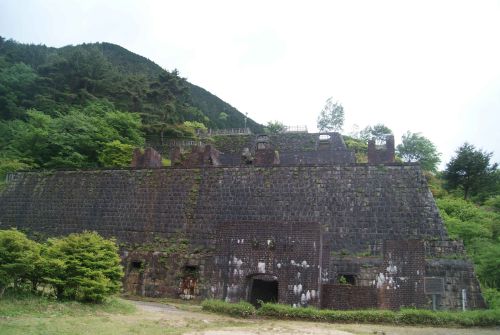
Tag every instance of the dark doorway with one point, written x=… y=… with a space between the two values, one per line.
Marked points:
x=189 y=283
x=263 y=290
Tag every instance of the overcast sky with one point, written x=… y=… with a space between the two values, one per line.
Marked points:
x=425 y=66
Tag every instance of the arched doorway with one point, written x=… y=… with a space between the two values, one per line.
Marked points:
x=262 y=288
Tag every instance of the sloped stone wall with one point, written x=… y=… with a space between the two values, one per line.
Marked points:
x=357 y=204
x=357 y=207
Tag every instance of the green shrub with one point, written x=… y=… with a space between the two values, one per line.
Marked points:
x=84 y=267
x=116 y=154
x=483 y=318
x=18 y=258
x=492 y=297
x=240 y=309
x=310 y=313
x=419 y=317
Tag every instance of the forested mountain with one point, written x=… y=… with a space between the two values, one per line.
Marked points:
x=89 y=105
x=53 y=80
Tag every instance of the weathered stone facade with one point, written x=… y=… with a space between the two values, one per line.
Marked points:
x=300 y=224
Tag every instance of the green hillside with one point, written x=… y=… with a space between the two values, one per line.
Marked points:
x=54 y=79
x=89 y=105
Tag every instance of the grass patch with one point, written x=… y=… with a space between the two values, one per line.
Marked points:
x=415 y=317
x=185 y=305
x=240 y=309
x=27 y=304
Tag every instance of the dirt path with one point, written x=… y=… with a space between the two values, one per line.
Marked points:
x=197 y=322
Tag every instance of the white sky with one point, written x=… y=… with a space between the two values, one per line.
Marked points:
x=425 y=66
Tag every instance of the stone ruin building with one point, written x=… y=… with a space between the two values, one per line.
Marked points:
x=289 y=217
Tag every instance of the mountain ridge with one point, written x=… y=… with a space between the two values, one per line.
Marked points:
x=130 y=81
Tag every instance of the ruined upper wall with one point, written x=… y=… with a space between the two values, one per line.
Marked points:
x=357 y=204
x=381 y=154
x=283 y=142
x=291 y=148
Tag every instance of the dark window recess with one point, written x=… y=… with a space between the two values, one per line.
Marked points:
x=263 y=290
x=346 y=279
x=191 y=271
x=136 y=265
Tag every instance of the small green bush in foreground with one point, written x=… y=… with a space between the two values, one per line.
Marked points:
x=83 y=267
x=478 y=318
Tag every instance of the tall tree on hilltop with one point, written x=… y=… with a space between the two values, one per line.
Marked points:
x=331 y=117
x=379 y=132
x=469 y=170
x=274 y=127
x=416 y=148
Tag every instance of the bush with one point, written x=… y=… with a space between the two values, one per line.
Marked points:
x=484 y=318
x=240 y=309
x=116 y=154
x=85 y=267
x=328 y=315
x=419 y=317
x=492 y=297
x=18 y=257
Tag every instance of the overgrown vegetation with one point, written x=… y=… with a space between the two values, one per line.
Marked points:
x=83 y=267
x=479 y=318
x=87 y=106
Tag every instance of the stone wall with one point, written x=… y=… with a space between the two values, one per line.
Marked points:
x=292 y=149
x=458 y=275
x=381 y=154
x=357 y=206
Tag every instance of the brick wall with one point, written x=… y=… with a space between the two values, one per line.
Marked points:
x=401 y=281
x=289 y=251
x=336 y=296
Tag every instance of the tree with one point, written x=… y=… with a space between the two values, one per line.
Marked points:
x=416 y=148
x=85 y=267
x=275 y=127
x=223 y=116
x=17 y=87
x=331 y=117
x=469 y=170
x=379 y=132
x=75 y=139
x=18 y=256
x=116 y=154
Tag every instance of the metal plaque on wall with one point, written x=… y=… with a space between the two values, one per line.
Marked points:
x=433 y=285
